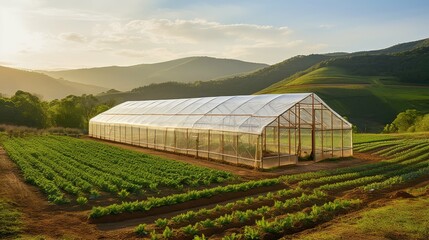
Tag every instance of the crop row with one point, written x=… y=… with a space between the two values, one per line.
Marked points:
x=244 y=217
x=241 y=204
x=146 y=205
x=296 y=221
x=408 y=154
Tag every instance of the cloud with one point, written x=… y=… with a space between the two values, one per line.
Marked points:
x=72 y=37
x=199 y=30
x=162 y=39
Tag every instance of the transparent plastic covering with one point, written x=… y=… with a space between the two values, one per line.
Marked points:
x=241 y=114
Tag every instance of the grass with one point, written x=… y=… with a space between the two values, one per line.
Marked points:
x=398 y=219
x=10 y=223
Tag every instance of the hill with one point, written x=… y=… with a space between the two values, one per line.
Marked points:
x=12 y=80
x=237 y=85
x=369 y=89
x=183 y=70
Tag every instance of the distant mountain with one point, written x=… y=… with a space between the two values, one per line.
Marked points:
x=244 y=84
x=183 y=70
x=12 y=80
x=369 y=89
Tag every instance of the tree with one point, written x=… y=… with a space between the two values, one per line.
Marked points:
x=30 y=110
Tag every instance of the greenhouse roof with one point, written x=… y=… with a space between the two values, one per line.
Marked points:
x=246 y=113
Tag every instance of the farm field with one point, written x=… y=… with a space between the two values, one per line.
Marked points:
x=83 y=189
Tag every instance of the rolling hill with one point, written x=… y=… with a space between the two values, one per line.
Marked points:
x=12 y=80
x=183 y=70
x=369 y=89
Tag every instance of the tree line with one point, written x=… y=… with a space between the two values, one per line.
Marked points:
x=410 y=120
x=26 y=109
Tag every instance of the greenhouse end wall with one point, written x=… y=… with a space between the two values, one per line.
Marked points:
x=306 y=129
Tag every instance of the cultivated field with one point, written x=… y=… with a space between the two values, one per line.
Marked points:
x=88 y=190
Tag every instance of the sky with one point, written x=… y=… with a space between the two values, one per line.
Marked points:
x=65 y=34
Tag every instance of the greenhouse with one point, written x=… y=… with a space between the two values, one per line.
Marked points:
x=262 y=131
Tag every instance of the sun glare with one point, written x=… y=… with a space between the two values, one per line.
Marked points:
x=13 y=34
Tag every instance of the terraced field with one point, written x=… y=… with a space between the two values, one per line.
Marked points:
x=259 y=209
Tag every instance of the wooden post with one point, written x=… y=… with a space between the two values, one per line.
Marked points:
x=313 y=128
x=175 y=140
x=154 y=139
x=187 y=141
x=165 y=139
x=147 y=137
x=299 y=130
x=290 y=149
x=222 y=146
x=236 y=147
x=278 y=139
x=332 y=133
x=342 y=138
x=257 y=153
x=197 y=143
x=132 y=136
x=208 y=145
x=321 y=127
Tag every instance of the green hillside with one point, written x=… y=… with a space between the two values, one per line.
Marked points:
x=184 y=70
x=244 y=84
x=12 y=80
x=369 y=90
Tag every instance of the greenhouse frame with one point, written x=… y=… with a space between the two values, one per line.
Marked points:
x=262 y=131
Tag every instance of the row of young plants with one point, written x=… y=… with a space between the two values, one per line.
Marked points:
x=294 y=222
x=283 y=221
x=406 y=154
x=365 y=147
x=417 y=166
x=241 y=204
x=394 y=150
x=359 y=174
x=80 y=177
x=35 y=177
x=243 y=217
x=61 y=165
x=154 y=169
x=150 y=168
x=146 y=205
x=420 y=171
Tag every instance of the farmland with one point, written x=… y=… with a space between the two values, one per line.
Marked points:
x=133 y=195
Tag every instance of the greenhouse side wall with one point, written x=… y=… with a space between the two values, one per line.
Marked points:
x=231 y=147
